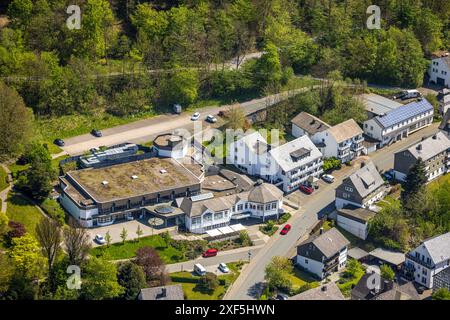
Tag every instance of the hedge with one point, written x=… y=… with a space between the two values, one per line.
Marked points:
x=184 y=279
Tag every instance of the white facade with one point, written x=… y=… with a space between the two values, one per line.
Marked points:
x=209 y=219
x=345 y=151
x=342 y=202
x=297 y=131
x=84 y=217
x=397 y=131
x=252 y=155
x=439 y=71
x=356 y=228
x=424 y=269
x=176 y=153
x=317 y=267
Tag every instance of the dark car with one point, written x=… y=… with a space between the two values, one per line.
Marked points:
x=389 y=175
x=96 y=133
x=285 y=229
x=59 y=142
x=210 y=253
x=306 y=189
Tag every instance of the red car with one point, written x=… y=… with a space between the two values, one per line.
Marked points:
x=306 y=189
x=210 y=253
x=285 y=229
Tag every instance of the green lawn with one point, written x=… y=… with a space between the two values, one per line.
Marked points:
x=438 y=182
x=21 y=210
x=16 y=169
x=3 y=177
x=193 y=292
x=300 y=278
x=118 y=251
x=389 y=201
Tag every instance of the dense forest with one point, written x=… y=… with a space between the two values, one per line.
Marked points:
x=132 y=57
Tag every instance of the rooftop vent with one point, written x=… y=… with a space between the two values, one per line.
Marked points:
x=163 y=171
x=324 y=288
x=419 y=146
x=105 y=182
x=434 y=137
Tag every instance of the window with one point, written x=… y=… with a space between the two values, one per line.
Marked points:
x=424 y=280
x=306 y=261
x=349 y=189
x=274 y=205
x=240 y=207
x=268 y=206
x=207 y=216
x=218 y=215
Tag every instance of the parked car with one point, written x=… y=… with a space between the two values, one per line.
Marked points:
x=96 y=133
x=59 y=142
x=211 y=119
x=223 y=267
x=389 y=175
x=285 y=229
x=99 y=239
x=199 y=269
x=282 y=296
x=306 y=189
x=328 y=178
x=210 y=253
x=409 y=94
x=195 y=116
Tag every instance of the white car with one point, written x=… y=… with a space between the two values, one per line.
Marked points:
x=223 y=267
x=211 y=119
x=99 y=239
x=328 y=178
x=195 y=116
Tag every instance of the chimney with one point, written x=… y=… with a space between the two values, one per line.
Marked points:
x=419 y=146
x=363 y=164
x=324 y=288
x=321 y=230
x=434 y=136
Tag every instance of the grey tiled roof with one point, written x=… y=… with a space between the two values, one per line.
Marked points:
x=310 y=123
x=367 y=179
x=172 y=292
x=430 y=147
x=329 y=243
x=438 y=247
x=329 y=291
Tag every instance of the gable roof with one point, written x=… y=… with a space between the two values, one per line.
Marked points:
x=329 y=243
x=172 y=292
x=329 y=291
x=377 y=104
x=406 y=291
x=404 y=112
x=438 y=247
x=345 y=130
x=283 y=154
x=309 y=123
x=366 y=179
x=430 y=147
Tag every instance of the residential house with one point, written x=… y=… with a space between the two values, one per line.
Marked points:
x=249 y=154
x=442 y=279
x=206 y=212
x=377 y=105
x=288 y=165
x=434 y=151
x=343 y=141
x=399 y=123
x=329 y=291
x=171 y=292
x=355 y=220
x=372 y=287
x=362 y=188
x=439 y=69
x=444 y=101
x=428 y=259
x=445 y=124
x=307 y=124
x=294 y=163
x=323 y=254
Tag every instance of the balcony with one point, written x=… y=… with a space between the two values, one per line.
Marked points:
x=357 y=147
x=419 y=261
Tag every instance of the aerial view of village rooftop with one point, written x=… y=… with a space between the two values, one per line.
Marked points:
x=224 y=150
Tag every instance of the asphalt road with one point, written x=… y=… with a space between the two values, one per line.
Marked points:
x=147 y=129
x=249 y=284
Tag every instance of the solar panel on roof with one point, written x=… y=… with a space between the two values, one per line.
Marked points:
x=203 y=196
x=405 y=112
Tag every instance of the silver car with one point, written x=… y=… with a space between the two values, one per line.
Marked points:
x=328 y=178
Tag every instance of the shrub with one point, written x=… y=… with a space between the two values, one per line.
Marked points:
x=17 y=230
x=331 y=164
x=54 y=210
x=209 y=281
x=284 y=218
